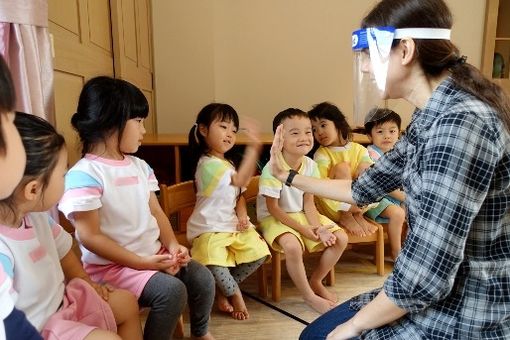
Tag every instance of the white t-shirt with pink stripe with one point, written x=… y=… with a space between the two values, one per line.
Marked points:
x=35 y=250
x=120 y=189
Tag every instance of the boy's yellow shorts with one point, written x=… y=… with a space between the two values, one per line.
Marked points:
x=272 y=228
x=229 y=249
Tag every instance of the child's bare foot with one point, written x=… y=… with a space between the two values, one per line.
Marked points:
x=322 y=291
x=346 y=219
x=207 y=336
x=326 y=236
x=240 y=311
x=368 y=227
x=318 y=303
x=223 y=303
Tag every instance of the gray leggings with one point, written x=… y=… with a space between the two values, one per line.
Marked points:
x=227 y=279
x=166 y=295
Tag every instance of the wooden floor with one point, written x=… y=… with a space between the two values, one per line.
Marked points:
x=354 y=274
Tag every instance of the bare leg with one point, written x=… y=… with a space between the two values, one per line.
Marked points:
x=327 y=261
x=126 y=312
x=296 y=269
x=396 y=216
x=101 y=334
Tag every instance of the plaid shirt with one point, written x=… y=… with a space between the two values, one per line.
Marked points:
x=453 y=274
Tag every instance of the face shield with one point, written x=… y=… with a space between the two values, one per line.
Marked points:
x=372 y=48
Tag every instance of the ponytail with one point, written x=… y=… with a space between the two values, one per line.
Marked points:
x=471 y=80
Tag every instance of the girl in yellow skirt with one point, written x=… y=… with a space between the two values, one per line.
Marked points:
x=219 y=230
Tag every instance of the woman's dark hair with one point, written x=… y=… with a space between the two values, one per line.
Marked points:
x=42 y=145
x=206 y=116
x=287 y=113
x=7 y=97
x=435 y=56
x=331 y=112
x=386 y=115
x=104 y=107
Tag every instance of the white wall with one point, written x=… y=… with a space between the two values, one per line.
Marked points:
x=264 y=56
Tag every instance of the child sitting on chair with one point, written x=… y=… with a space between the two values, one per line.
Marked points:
x=339 y=158
x=289 y=219
x=222 y=237
x=382 y=126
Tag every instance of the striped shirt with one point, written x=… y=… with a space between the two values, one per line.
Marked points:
x=453 y=274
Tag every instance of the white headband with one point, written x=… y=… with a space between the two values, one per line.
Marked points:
x=423 y=33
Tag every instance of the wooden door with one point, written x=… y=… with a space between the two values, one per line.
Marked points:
x=132 y=46
x=82 y=41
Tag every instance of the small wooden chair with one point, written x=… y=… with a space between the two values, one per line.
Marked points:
x=276 y=257
x=377 y=238
x=178 y=201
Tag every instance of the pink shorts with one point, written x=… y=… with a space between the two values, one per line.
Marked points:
x=83 y=310
x=120 y=276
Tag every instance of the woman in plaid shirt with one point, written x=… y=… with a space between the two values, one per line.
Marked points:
x=452 y=278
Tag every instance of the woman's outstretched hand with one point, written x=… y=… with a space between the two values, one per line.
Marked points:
x=276 y=159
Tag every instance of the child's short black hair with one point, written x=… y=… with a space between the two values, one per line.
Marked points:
x=331 y=112
x=287 y=113
x=380 y=116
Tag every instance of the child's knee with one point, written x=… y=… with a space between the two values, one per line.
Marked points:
x=398 y=215
x=342 y=238
x=340 y=170
x=292 y=247
x=124 y=305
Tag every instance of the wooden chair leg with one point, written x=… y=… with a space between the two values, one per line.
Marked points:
x=262 y=280
x=179 y=329
x=379 y=251
x=276 y=275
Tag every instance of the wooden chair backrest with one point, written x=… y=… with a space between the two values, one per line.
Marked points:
x=178 y=200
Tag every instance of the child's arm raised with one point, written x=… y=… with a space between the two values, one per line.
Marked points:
x=242 y=176
x=87 y=224
x=242 y=214
x=274 y=209
x=167 y=236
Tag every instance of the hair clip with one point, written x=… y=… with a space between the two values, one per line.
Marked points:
x=195 y=126
x=462 y=60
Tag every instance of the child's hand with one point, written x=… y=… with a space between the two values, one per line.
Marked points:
x=102 y=289
x=158 y=262
x=326 y=236
x=180 y=253
x=310 y=232
x=243 y=223
x=252 y=130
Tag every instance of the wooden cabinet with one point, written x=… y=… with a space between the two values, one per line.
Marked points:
x=98 y=37
x=496 y=55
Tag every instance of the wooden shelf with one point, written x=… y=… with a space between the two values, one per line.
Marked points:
x=496 y=47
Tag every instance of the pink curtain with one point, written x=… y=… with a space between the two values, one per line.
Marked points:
x=25 y=45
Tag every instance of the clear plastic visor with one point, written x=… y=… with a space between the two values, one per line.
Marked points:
x=367 y=95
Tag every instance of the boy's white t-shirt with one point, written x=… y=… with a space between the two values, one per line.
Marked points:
x=120 y=190
x=35 y=250
x=290 y=198
x=216 y=198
